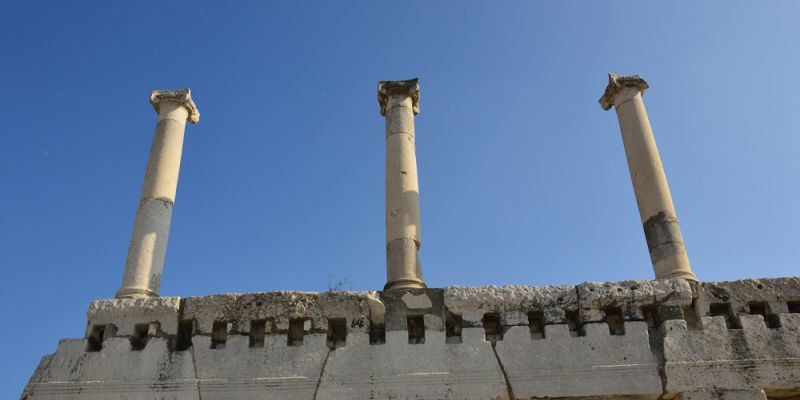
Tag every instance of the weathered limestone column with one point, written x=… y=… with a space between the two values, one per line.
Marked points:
x=399 y=101
x=148 y=245
x=661 y=229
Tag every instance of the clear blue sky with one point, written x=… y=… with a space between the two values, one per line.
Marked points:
x=523 y=177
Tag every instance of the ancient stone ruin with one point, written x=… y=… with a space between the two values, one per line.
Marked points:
x=673 y=337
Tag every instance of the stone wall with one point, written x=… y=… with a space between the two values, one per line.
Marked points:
x=632 y=339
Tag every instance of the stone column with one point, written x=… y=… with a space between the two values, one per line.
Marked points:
x=148 y=245
x=399 y=101
x=661 y=229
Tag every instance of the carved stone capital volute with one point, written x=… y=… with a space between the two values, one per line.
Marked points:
x=393 y=88
x=616 y=84
x=182 y=97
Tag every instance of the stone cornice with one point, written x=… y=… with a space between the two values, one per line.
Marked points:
x=182 y=97
x=616 y=83
x=409 y=88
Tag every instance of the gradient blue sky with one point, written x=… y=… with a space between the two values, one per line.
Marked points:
x=523 y=176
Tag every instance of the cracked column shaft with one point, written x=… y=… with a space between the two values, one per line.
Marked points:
x=399 y=101
x=148 y=245
x=657 y=212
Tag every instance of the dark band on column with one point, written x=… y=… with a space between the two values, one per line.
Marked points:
x=663 y=236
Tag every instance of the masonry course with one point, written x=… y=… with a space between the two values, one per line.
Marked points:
x=725 y=344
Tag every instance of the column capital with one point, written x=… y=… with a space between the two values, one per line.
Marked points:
x=388 y=88
x=617 y=83
x=182 y=97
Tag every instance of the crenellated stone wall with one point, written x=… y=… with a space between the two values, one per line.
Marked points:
x=631 y=339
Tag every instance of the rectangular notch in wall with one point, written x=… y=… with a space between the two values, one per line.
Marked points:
x=492 y=328
x=536 y=324
x=219 y=334
x=140 y=336
x=573 y=324
x=377 y=333
x=651 y=317
x=337 y=332
x=452 y=328
x=655 y=315
x=724 y=310
x=183 y=341
x=690 y=315
x=762 y=308
x=416 y=329
x=296 y=332
x=615 y=321
x=258 y=329
x=95 y=340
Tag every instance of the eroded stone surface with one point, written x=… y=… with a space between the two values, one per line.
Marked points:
x=718 y=339
x=740 y=294
x=114 y=372
x=597 y=364
x=730 y=394
x=399 y=370
x=631 y=297
x=512 y=302
x=282 y=307
x=731 y=347
x=124 y=314
x=402 y=304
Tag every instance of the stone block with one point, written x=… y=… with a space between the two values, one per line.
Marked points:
x=776 y=292
x=630 y=297
x=399 y=370
x=280 y=307
x=597 y=364
x=238 y=371
x=511 y=303
x=732 y=394
x=402 y=303
x=74 y=373
x=554 y=341
x=718 y=356
x=125 y=314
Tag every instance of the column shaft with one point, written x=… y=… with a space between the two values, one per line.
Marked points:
x=398 y=104
x=148 y=246
x=662 y=231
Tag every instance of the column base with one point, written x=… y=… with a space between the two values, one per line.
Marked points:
x=689 y=276
x=403 y=270
x=134 y=293
x=405 y=284
x=674 y=266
